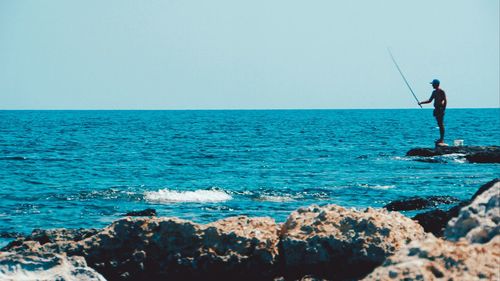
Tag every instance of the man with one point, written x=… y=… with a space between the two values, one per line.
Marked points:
x=439 y=98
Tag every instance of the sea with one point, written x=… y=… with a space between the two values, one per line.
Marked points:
x=81 y=169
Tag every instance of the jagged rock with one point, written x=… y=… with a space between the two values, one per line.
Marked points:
x=484 y=188
x=43 y=236
x=435 y=221
x=436 y=259
x=336 y=243
x=45 y=266
x=144 y=213
x=9 y=234
x=168 y=248
x=473 y=154
x=479 y=221
x=418 y=203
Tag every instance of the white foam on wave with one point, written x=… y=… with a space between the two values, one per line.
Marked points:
x=379 y=187
x=272 y=198
x=175 y=196
x=456 y=157
x=400 y=158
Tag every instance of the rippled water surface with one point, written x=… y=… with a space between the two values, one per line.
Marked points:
x=87 y=168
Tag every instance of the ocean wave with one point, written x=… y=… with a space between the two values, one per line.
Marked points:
x=456 y=157
x=275 y=198
x=13 y=158
x=197 y=196
x=379 y=187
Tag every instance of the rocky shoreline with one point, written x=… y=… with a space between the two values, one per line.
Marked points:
x=315 y=243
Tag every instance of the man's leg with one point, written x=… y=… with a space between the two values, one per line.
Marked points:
x=440 y=119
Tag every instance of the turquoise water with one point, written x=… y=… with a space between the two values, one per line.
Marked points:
x=87 y=168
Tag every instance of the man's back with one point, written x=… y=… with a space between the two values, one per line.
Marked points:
x=439 y=96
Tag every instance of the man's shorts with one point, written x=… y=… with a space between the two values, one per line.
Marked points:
x=438 y=112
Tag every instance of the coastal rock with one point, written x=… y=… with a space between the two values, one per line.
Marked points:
x=174 y=249
x=484 y=157
x=43 y=266
x=43 y=236
x=436 y=259
x=337 y=243
x=315 y=243
x=435 y=221
x=483 y=188
x=418 y=203
x=473 y=154
x=9 y=234
x=479 y=221
x=144 y=213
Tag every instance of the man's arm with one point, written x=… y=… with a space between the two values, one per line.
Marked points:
x=445 y=101
x=427 y=101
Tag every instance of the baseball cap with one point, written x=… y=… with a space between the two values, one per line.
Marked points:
x=435 y=82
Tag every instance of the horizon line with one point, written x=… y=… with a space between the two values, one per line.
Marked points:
x=222 y=109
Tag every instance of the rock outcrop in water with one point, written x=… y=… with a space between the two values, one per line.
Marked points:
x=473 y=154
x=418 y=203
x=143 y=213
x=315 y=243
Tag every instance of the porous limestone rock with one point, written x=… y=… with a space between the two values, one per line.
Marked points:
x=479 y=221
x=19 y=267
x=159 y=248
x=337 y=243
x=436 y=259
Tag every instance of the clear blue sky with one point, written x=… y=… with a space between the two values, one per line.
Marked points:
x=128 y=54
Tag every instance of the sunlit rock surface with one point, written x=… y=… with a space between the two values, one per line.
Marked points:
x=436 y=259
x=338 y=243
x=19 y=267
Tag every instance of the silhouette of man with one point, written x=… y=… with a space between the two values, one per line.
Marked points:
x=440 y=101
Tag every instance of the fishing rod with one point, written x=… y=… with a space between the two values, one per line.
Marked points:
x=402 y=75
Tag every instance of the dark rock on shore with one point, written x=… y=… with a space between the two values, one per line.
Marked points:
x=7 y=234
x=144 y=213
x=483 y=157
x=435 y=221
x=43 y=236
x=473 y=154
x=418 y=203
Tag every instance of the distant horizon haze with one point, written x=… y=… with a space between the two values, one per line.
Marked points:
x=222 y=54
